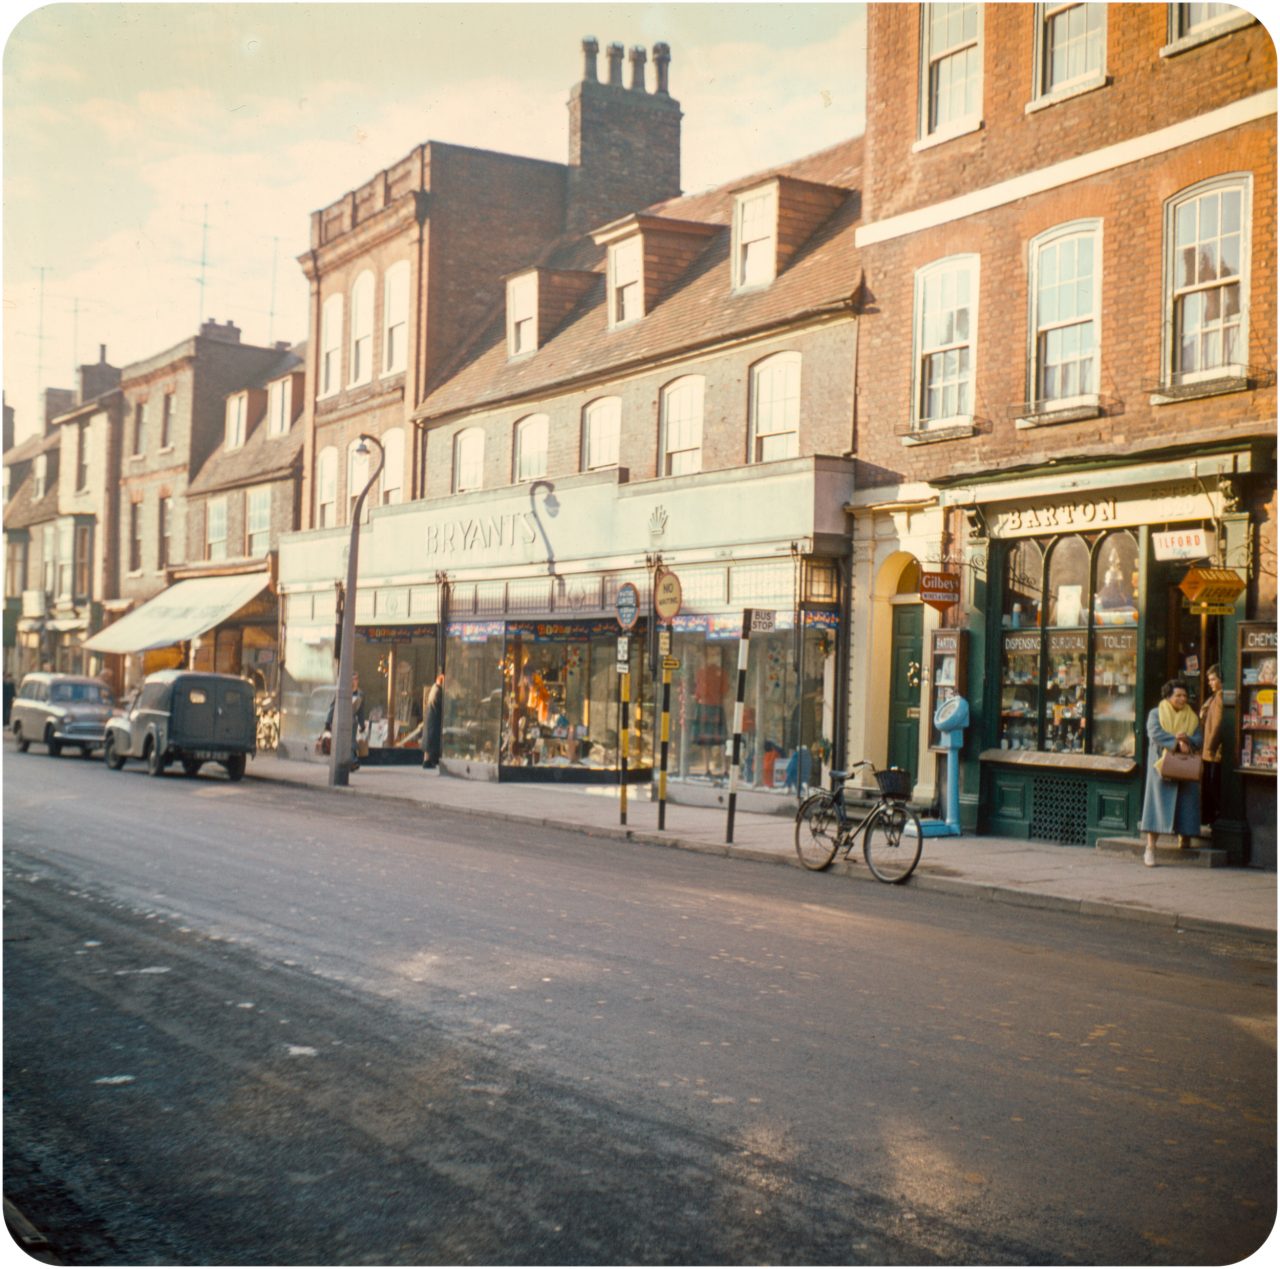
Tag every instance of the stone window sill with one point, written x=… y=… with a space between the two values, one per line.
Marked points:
x=1066 y=94
x=1199 y=389
x=1085 y=408
x=954 y=432
x=1232 y=22
x=962 y=129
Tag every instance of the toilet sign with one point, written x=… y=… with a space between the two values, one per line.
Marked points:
x=940 y=590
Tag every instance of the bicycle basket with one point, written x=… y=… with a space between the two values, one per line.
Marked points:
x=894 y=782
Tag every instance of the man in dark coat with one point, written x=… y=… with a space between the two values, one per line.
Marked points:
x=357 y=719
x=433 y=725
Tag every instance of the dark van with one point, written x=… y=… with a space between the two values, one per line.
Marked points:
x=182 y=716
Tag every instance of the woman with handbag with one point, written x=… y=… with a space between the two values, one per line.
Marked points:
x=1172 y=801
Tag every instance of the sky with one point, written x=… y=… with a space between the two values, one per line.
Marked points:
x=149 y=147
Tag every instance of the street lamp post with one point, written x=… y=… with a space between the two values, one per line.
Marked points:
x=339 y=743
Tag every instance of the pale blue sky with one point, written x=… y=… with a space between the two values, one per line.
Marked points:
x=123 y=122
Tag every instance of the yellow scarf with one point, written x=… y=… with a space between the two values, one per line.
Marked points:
x=1177 y=720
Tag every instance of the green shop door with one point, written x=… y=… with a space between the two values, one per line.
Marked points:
x=904 y=687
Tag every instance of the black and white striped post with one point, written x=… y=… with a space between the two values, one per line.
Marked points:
x=758 y=619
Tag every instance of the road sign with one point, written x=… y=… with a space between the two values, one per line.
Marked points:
x=670 y=663
x=664 y=643
x=628 y=605
x=667 y=595
x=940 y=590
x=624 y=654
x=759 y=620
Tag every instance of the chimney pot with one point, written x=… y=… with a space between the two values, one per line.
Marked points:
x=615 y=64
x=102 y=354
x=661 y=66
x=590 y=47
x=638 y=59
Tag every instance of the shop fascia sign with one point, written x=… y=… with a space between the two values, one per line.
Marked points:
x=1089 y=510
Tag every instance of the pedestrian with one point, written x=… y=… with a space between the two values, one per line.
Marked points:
x=1211 y=725
x=357 y=719
x=1170 y=806
x=433 y=725
x=10 y=691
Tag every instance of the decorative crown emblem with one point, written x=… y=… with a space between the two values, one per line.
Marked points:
x=658 y=522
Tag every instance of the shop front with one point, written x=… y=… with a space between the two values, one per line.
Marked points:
x=513 y=595
x=1077 y=614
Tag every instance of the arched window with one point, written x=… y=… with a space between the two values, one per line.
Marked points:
x=530 y=448
x=1023 y=582
x=395 y=318
x=362 y=329
x=1115 y=599
x=775 y=408
x=682 y=426
x=1069 y=583
x=468 y=460
x=331 y=346
x=393 y=466
x=327 y=488
x=601 y=426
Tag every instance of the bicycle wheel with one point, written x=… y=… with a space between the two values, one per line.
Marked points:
x=817 y=831
x=892 y=843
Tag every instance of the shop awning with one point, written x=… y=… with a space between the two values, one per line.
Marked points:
x=61 y=625
x=180 y=613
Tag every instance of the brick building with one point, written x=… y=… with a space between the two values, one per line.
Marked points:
x=1072 y=269
x=641 y=379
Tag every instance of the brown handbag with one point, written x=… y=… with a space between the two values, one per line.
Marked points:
x=1180 y=766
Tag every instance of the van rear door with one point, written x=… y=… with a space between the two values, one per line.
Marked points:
x=193 y=714
x=235 y=722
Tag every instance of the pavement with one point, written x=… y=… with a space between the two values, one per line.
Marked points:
x=1070 y=879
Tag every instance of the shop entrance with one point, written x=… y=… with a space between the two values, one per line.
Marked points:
x=904 y=687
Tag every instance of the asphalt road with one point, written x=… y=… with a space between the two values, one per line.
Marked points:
x=258 y=1024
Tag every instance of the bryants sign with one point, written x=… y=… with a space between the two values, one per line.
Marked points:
x=450 y=537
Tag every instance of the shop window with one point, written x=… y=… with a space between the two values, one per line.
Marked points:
x=327 y=488
x=950 y=70
x=601 y=426
x=1207 y=236
x=682 y=426
x=468 y=460
x=1071 y=41
x=775 y=408
x=530 y=457
x=1064 y=318
x=393 y=466
x=473 y=695
x=946 y=327
x=1068 y=683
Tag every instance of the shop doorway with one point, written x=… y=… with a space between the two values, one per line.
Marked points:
x=907 y=655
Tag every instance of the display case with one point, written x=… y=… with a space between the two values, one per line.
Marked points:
x=1115 y=675
x=1019 y=688
x=948 y=673
x=1256 y=698
x=1066 y=714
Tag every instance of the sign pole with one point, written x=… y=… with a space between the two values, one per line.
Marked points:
x=628 y=606
x=624 y=740
x=666 y=735
x=744 y=644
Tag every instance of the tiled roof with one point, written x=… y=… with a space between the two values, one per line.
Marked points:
x=290 y=359
x=260 y=458
x=701 y=307
x=26 y=450
x=24 y=509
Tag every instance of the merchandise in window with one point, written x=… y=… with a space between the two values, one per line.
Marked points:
x=473 y=690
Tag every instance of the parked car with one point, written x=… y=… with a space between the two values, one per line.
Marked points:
x=60 y=709
x=182 y=716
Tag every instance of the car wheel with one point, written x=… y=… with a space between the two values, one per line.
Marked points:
x=155 y=760
x=113 y=760
x=55 y=746
x=235 y=766
x=192 y=766
x=23 y=743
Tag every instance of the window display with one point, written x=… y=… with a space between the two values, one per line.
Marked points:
x=1257 y=697
x=1115 y=666
x=473 y=690
x=1019 y=690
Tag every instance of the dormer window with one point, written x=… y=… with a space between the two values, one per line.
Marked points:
x=522 y=315
x=237 y=413
x=42 y=475
x=755 y=238
x=626 y=273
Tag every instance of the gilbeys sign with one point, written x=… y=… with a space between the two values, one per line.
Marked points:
x=940 y=590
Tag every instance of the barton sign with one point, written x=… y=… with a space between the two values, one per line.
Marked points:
x=940 y=590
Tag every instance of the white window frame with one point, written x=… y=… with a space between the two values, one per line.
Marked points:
x=280 y=406
x=755 y=238
x=1043 y=92
x=395 y=318
x=601 y=433
x=49 y=557
x=968 y=264
x=969 y=121
x=1174 y=294
x=1184 y=35
x=66 y=556
x=361 y=353
x=775 y=398
x=529 y=448
x=237 y=414
x=257 y=520
x=522 y=315
x=164 y=530
x=327 y=487
x=681 y=416
x=1039 y=326
x=626 y=282
x=330 y=375
x=82 y=457
x=468 y=460
x=392 y=466
x=135 y=537
x=139 y=428
x=41 y=467
x=215 y=529
x=166 y=422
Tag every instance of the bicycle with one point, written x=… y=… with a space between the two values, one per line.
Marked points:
x=891 y=834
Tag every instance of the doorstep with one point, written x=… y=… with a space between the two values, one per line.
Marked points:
x=1196 y=856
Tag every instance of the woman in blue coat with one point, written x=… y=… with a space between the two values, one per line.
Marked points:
x=1170 y=806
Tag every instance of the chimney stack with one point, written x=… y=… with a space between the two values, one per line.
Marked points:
x=615 y=65
x=661 y=66
x=590 y=47
x=638 y=59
